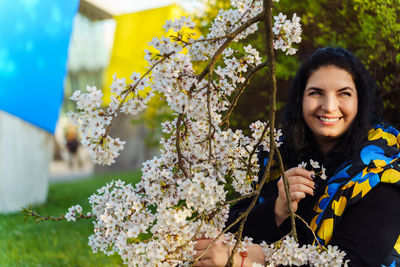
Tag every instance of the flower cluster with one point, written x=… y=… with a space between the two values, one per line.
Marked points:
x=257 y=129
x=94 y=120
x=73 y=213
x=178 y=24
x=316 y=167
x=288 y=253
x=231 y=72
x=231 y=240
x=173 y=76
x=185 y=190
x=287 y=32
x=227 y=22
x=182 y=194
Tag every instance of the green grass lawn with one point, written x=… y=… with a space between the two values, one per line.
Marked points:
x=57 y=243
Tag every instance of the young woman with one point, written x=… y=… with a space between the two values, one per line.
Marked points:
x=333 y=117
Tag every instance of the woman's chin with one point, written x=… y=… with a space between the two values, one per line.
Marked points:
x=328 y=136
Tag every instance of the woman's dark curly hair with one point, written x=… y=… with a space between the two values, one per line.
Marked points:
x=298 y=136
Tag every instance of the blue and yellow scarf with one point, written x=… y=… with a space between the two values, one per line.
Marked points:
x=378 y=162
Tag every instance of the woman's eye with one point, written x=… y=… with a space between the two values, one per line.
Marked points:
x=314 y=93
x=345 y=93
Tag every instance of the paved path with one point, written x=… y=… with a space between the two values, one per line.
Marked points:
x=79 y=167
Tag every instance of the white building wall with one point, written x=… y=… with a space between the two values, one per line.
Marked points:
x=25 y=154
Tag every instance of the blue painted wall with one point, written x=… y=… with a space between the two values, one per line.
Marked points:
x=34 y=39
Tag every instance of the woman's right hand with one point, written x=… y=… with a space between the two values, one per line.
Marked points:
x=300 y=184
x=219 y=252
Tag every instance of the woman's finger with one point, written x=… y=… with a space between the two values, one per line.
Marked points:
x=296 y=196
x=300 y=180
x=297 y=171
x=202 y=244
x=199 y=253
x=297 y=184
x=302 y=188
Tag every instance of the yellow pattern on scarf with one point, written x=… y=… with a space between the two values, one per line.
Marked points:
x=374 y=134
x=363 y=188
x=338 y=206
x=397 y=246
x=390 y=176
x=325 y=231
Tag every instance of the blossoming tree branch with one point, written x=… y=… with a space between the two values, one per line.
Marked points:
x=182 y=193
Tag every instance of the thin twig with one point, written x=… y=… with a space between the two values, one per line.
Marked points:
x=132 y=88
x=267 y=18
x=207 y=137
x=255 y=149
x=219 y=235
x=308 y=226
x=209 y=114
x=178 y=146
x=38 y=217
x=244 y=14
x=229 y=39
x=287 y=191
x=239 y=92
x=213 y=39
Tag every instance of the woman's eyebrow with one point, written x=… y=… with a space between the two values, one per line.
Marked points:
x=345 y=88
x=314 y=89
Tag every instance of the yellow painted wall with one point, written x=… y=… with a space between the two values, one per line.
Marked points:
x=132 y=34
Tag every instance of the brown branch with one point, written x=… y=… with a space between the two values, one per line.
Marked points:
x=267 y=18
x=287 y=191
x=209 y=115
x=206 y=139
x=308 y=226
x=213 y=39
x=244 y=215
x=226 y=229
x=132 y=88
x=252 y=194
x=255 y=149
x=229 y=39
x=257 y=192
x=271 y=62
x=221 y=205
x=219 y=235
x=239 y=92
x=178 y=146
x=37 y=217
x=244 y=14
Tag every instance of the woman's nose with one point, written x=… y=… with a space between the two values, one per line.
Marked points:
x=330 y=103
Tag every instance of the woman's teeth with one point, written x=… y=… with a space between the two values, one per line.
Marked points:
x=328 y=120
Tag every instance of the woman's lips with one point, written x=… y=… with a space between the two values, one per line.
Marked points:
x=328 y=120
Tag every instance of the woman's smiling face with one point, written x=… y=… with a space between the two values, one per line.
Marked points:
x=330 y=104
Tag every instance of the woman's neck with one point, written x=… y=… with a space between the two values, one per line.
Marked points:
x=325 y=146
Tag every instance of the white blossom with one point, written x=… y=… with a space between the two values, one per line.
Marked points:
x=288 y=32
x=314 y=164
x=319 y=170
x=73 y=212
x=181 y=195
x=323 y=175
x=302 y=165
x=288 y=253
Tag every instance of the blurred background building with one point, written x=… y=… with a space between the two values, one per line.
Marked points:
x=33 y=55
x=48 y=50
